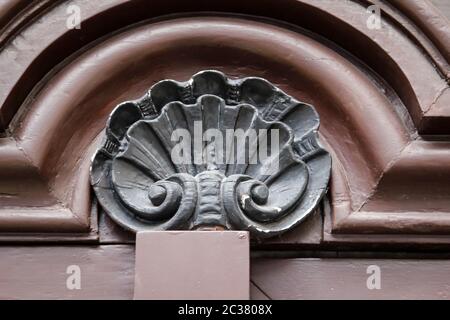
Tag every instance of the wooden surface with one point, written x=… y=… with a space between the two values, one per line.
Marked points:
x=192 y=265
x=107 y=272
x=365 y=142
x=371 y=112
x=443 y=7
x=54 y=111
x=347 y=278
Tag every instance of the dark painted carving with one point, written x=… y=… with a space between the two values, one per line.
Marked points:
x=140 y=186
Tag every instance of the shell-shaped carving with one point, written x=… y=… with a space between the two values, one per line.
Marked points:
x=173 y=159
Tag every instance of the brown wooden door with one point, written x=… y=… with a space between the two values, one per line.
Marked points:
x=378 y=78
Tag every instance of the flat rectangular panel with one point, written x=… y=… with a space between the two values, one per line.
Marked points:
x=50 y=272
x=107 y=272
x=192 y=265
x=366 y=279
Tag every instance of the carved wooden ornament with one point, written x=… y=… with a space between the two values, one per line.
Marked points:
x=141 y=187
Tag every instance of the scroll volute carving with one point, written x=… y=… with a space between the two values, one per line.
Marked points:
x=149 y=175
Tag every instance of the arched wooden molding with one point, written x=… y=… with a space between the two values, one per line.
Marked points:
x=383 y=51
x=366 y=116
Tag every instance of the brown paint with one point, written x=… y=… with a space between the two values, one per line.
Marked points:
x=327 y=18
x=107 y=272
x=8 y=10
x=378 y=158
x=429 y=20
x=385 y=121
x=192 y=265
x=347 y=279
x=45 y=149
x=39 y=272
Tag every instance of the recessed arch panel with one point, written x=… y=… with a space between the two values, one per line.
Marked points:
x=370 y=117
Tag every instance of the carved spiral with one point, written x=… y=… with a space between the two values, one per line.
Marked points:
x=171 y=203
x=264 y=209
x=253 y=196
x=164 y=200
